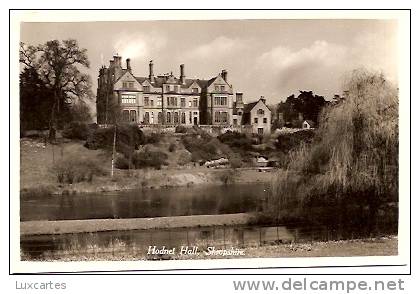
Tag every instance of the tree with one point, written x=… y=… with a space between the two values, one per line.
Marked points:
x=353 y=160
x=306 y=103
x=35 y=99
x=57 y=66
x=80 y=112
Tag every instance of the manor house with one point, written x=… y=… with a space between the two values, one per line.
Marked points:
x=166 y=99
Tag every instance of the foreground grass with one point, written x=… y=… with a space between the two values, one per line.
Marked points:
x=383 y=246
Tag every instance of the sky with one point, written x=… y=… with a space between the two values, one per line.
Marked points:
x=270 y=58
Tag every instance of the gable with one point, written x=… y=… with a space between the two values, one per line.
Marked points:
x=195 y=85
x=261 y=105
x=127 y=77
x=219 y=81
x=146 y=83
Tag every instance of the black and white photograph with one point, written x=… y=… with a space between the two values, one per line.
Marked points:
x=177 y=140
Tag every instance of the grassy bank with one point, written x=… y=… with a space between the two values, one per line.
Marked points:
x=384 y=246
x=37 y=171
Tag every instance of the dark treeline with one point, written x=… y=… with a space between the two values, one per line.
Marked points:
x=306 y=106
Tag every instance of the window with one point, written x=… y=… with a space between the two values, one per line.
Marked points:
x=168 y=88
x=265 y=120
x=190 y=117
x=222 y=88
x=224 y=117
x=260 y=111
x=126 y=116
x=133 y=116
x=189 y=104
x=146 y=88
x=176 y=88
x=152 y=118
x=172 y=101
x=125 y=85
x=217 y=116
x=182 y=102
x=159 y=102
x=131 y=85
x=260 y=131
x=146 y=118
x=146 y=101
x=159 y=117
x=176 y=118
x=235 y=122
x=151 y=102
x=128 y=98
x=183 y=118
x=220 y=116
x=220 y=100
x=216 y=88
x=195 y=102
x=256 y=120
x=168 y=117
x=195 y=90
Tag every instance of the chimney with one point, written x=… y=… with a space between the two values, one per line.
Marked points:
x=262 y=99
x=181 y=67
x=117 y=60
x=127 y=61
x=151 y=76
x=224 y=75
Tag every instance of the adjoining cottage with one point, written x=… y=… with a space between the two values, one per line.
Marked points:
x=258 y=115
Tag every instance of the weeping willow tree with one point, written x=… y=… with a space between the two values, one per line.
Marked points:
x=354 y=157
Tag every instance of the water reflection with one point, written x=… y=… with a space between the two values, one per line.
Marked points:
x=138 y=241
x=203 y=199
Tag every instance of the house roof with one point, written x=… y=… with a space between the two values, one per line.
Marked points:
x=160 y=80
x=249 y=106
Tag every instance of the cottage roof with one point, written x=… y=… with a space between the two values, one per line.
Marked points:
x=249 y=106
x=310 y=122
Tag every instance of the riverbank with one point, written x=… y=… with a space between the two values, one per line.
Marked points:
x=102 y=225
x=383 y=246
x=38 y=159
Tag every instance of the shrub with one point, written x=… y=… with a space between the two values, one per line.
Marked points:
x=75 y=170
x=150 y=159
x=202 y=147
x=184 y=157
x=153 y=138
x=122 y=163
x=235 y=161
x=128 y=138
x=236 y=140
x=289 y=141
x=172 y=147
x=76 y=130
x=180 y=129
